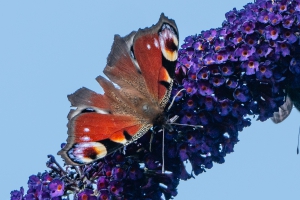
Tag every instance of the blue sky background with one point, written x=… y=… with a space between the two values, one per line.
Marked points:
x=48 y=49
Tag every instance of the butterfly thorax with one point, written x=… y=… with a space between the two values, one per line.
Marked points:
x=160 y=120
x=152 y=112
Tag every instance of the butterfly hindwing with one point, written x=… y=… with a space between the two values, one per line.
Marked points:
x=93 y=135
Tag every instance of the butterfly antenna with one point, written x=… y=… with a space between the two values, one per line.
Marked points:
x=298 y=142
x=172 y=102
x=173 y=119
x=163 y=152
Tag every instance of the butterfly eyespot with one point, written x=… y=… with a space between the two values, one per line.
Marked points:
x=87 y=110
x=169 y=42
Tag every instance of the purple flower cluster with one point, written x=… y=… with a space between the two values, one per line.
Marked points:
x=246 y=67
x=41 y=186
x=135 y=175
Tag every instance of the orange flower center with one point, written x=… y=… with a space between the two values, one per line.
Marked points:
x=190 y=102
x=287 y=22
x=263 y=69
x=259 y=51
x=273 y=32
x=251 y=64
x=283 y=45
x=282 y=7
x=59 y=187
x=287 y=34
x=204 y=88
x=85 y=197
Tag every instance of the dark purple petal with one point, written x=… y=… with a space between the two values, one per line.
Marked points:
x=190 y=86
x=252 y=39
x=116 y=188
x=220 y=57
x=17 y=195
x=289 y=36
x=34 y=182
x=288 y=21
x=295 y=66
x=263 y=16
x=204 y=74
x=248 y=27
x=219 y=44
x=102 y=182
x=208 y=59
x=225 y=107
x=56 y=188
x=104 y=195
x=237 y=37
x=242 y=94
x=118 y=173
x=263 y=50
x=87 y=194
x=282 y=48
x=210 y=35
x=251 y=66
x=232 y=82
x=227 y=70
x=275 y=18
x=264 y=71
x=204 y=88
x=272 y=32
x=217 y=81
x=282 y=6
x=244 y=52
x=231 y=16
x=201 y=45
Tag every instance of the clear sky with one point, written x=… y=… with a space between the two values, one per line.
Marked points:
x=48 y=49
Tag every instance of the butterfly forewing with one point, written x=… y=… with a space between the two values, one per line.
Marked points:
x=141 y=64
x=155 y=50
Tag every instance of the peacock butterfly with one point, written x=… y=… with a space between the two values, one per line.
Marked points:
x=142 y=65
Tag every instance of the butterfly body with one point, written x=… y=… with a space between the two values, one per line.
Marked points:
x=141 y=64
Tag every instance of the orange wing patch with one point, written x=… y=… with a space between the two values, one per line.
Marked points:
x=149 y=59
x=93 y=136
x=90 y=127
